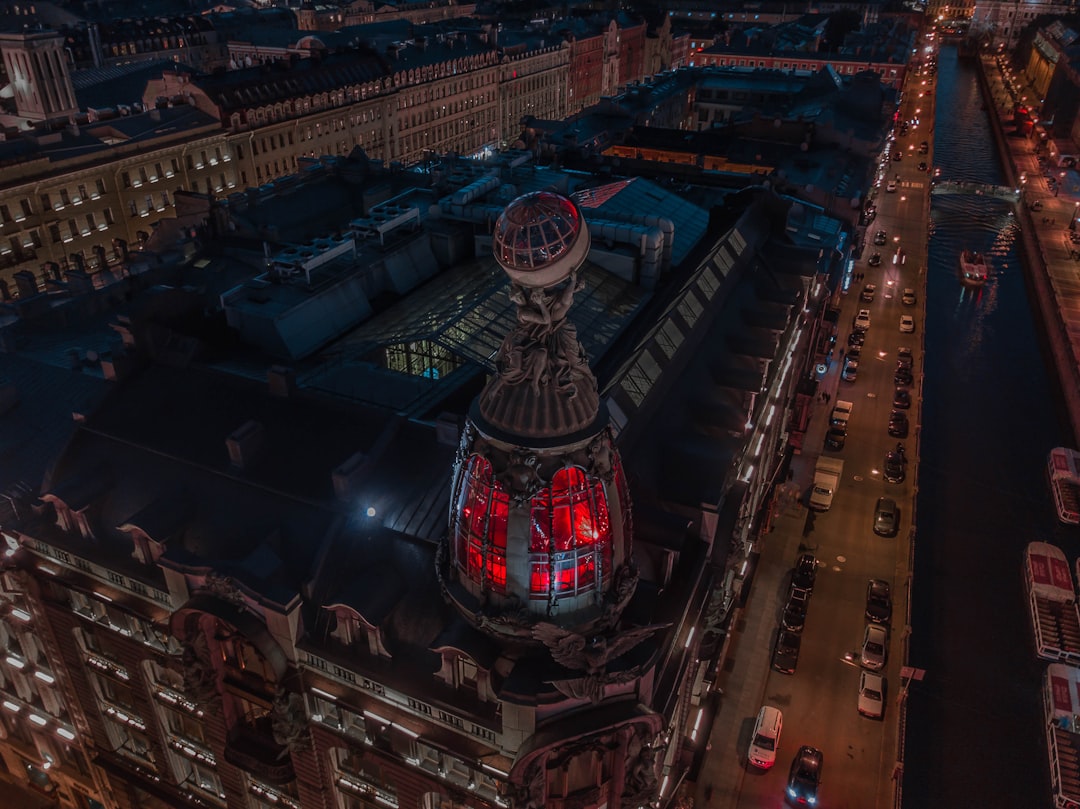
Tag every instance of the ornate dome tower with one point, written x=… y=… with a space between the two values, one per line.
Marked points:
x=539 y=512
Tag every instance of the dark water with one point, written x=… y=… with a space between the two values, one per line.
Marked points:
x=975 y=736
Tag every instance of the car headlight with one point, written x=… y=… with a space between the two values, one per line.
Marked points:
x=791 y=792
x=812 y=800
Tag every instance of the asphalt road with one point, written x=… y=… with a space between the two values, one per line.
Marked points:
x=819 y=700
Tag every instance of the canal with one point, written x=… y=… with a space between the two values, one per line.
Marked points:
x=974 y=736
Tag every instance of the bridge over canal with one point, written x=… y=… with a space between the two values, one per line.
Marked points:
x=975 y=189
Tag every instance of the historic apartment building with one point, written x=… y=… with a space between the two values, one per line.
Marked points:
x=231 y=593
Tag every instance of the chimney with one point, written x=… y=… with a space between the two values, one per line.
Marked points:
x=348 y=475
x=244 y=444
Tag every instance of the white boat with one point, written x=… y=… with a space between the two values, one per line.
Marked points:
x=1061 y=703
x=973 y=268
x=1063 y=469
x=1052 y=602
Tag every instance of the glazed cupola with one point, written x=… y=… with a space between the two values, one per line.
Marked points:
x=539 y=526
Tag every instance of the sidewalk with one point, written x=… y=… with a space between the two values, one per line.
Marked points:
x=747 y=661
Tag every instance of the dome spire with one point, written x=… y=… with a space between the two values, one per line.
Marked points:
x=543 y=388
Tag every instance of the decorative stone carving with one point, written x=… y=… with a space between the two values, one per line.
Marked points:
x=224 y=587
x=288 y=722
x=521 y=478
x=622 y=590
x=590 y=654
x=640 y=782
x=592 y=687
x=200 y=678
x=531 y=793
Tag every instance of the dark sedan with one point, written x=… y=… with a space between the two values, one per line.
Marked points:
x=903 y=377
x=786 y=652
x=835 y=438
x=878 y=601
x=805 y=572
x=805 y=776
x=894 y=467
x=874 y=260
x=794 y=617
x=902 y=398
x=898 y=424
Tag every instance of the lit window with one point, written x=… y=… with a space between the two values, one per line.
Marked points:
x=570 y=526
x=480 y=531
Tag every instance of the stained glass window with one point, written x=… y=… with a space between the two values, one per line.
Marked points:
x=569 y=526
x=481 y=515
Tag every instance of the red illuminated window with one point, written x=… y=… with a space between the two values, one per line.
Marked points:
x=570 y=530
x=479 y=531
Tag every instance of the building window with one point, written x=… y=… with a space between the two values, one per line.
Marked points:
x=570 y=535
x=480 y=526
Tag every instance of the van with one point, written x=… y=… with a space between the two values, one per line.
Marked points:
x=766 y=737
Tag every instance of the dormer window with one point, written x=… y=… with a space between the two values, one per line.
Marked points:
x=465 y=672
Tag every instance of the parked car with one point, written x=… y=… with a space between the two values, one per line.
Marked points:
x=878 y=601
x=793 y=618
x=786 y=652
x=902 y=377
x=904 y=359
x=867 y=293
x=875 y=647
x=874 y=260
x=805 y=572
x=897 y=156
x=922 y=165
x=871 y=695
x=855 y=352
x=885 y=517
x=868 y=215
x=898 y=424
x=924 y=147
x=851 y=370
x=894 y=467
x=766 y=737
x=804 y=778
x=880 y=237
x=902 y=398
x=862 y=320
x=856 y=338
x=907 y=297
x=835 y=438
x=907 y=324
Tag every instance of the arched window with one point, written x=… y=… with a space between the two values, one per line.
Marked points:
x=480 y=517
x=570 y=535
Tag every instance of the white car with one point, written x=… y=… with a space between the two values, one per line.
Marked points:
x=766 y=737
x=875 y=648
x=871 y=695
x=891 y=186
x=907 y=324
x=907 y=297
x=862 y=320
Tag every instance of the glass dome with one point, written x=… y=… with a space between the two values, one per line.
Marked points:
x=534 y=238
x=570 y=533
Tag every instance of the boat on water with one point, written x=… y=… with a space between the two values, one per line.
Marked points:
x=1063 y=469
x=973 y=268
